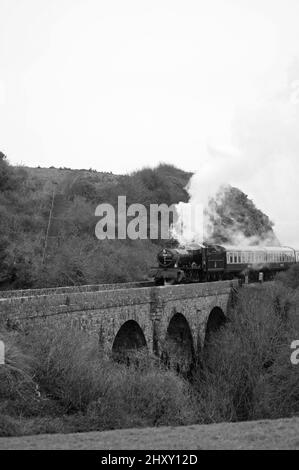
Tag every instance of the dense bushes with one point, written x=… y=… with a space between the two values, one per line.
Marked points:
x=290 y=278
x=79 y=389
x=18 y=390
x=57 y=380
x=235 y=219
x=246 y=372
x=74 y=255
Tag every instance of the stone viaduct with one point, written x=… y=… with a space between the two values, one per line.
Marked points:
x=170 y=321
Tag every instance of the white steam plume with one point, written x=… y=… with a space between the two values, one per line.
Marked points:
x=263 y=163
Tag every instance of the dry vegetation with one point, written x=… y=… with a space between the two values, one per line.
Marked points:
x=74 y=255
x=56 y=380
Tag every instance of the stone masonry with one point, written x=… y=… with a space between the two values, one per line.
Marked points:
x=105 y=311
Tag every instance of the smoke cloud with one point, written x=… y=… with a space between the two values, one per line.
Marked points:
x=263 y=162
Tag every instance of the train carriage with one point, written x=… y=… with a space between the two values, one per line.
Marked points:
x=206 y=262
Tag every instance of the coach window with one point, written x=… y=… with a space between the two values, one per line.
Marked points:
x=239 y=258
x=235 y=258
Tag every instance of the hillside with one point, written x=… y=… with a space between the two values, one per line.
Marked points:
x=50 y=176
x=72 y=254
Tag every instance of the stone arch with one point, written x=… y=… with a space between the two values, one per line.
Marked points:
x=216 y=320
x=128 y=340
x=178 y=347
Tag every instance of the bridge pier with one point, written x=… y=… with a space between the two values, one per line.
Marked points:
x=169 y=321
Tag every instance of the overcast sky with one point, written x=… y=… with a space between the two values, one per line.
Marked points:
x=116 y=85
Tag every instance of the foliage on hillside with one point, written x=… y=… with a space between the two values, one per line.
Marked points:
x=235 y=218
x=73 y=254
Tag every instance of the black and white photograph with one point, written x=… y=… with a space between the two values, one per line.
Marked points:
x=149 y=230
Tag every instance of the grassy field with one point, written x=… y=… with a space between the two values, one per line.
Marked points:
x=268 y=434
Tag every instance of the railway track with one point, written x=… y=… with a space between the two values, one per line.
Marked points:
x=86 y=288
x=73 y=289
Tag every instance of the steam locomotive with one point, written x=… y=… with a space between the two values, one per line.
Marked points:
x=203 y=263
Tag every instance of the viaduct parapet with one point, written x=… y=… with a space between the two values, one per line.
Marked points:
x=169 y=321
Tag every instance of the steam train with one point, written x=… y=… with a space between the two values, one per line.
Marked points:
x=203 y=263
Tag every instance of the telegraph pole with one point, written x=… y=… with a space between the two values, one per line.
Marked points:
x=49 y=223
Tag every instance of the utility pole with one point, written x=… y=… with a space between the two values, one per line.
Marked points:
x=49 y=223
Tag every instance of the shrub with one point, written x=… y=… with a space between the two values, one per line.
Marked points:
x=71 y=371
x=245 y=356
x=290 y=278
x=67 y=364
x=18 y=390
x=277 y=393
x=152 y=397
x=8 y=426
